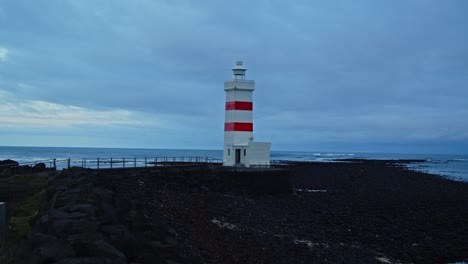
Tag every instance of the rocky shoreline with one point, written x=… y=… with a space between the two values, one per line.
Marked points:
x=353 y=212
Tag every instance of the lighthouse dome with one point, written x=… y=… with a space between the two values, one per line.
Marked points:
x=239 y=70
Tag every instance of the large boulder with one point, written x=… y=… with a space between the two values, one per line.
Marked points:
x=63 y=198
x=100 y=249
x=71 y=226
x=81 y=261
x=47 y=249
x=8 y=163
x=82 y=208
x=6 y=167
x=39 y=167
x=55 y=250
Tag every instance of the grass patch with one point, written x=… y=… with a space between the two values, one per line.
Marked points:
x=27 y=207
x=37 y=179
x=18 y=227
x=21 y=212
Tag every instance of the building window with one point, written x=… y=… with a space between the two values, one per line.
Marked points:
x=245 y=151
x=229 y=152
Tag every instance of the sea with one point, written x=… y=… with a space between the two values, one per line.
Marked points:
x=451 y=166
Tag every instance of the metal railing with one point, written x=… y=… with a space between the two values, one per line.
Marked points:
x=111 y=163
x=124 y=162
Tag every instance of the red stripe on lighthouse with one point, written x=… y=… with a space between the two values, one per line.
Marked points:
x=239 y=105
x=238 y=126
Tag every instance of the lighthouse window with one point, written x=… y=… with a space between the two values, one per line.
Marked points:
x=245 y=151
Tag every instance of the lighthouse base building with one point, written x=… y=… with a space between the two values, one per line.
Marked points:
x=239 y=147
x=252 y=154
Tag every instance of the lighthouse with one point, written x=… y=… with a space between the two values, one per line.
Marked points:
x=239 y=146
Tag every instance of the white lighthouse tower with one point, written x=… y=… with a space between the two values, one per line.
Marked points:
x=239 y=148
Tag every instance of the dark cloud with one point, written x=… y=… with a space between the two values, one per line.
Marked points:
x=341 y=71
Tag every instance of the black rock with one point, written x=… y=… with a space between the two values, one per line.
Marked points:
x=115 y=231
x=63 y=198
x=89 y=236
x=39 y=167
x=9 y=163
x=82 y=261
x=68 y=226
x=82 y=208
x=61 y=214
x=55 y=250
x=100 y=249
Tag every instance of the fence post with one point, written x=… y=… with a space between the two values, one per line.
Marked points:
x=134 y=162
x=145 y=161
x=68 y=163
x=111 y=164
x=84 y=163
x=55 y=163
x=123 y=162
x=98 y=163
x=2 y=223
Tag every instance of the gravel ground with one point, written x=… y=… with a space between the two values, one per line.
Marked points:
x=350 y=212
x=361 y=212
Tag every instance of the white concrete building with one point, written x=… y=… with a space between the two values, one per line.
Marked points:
x=239 y=147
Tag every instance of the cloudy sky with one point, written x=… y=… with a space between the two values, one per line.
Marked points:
x=361 y=75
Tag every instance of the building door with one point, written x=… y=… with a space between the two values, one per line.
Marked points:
x=238 y=156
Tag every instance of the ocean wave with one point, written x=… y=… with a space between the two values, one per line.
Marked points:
x=317 y=154
x=447 y=161
x=458 y=160
x=449 y=171
x=339 y=154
